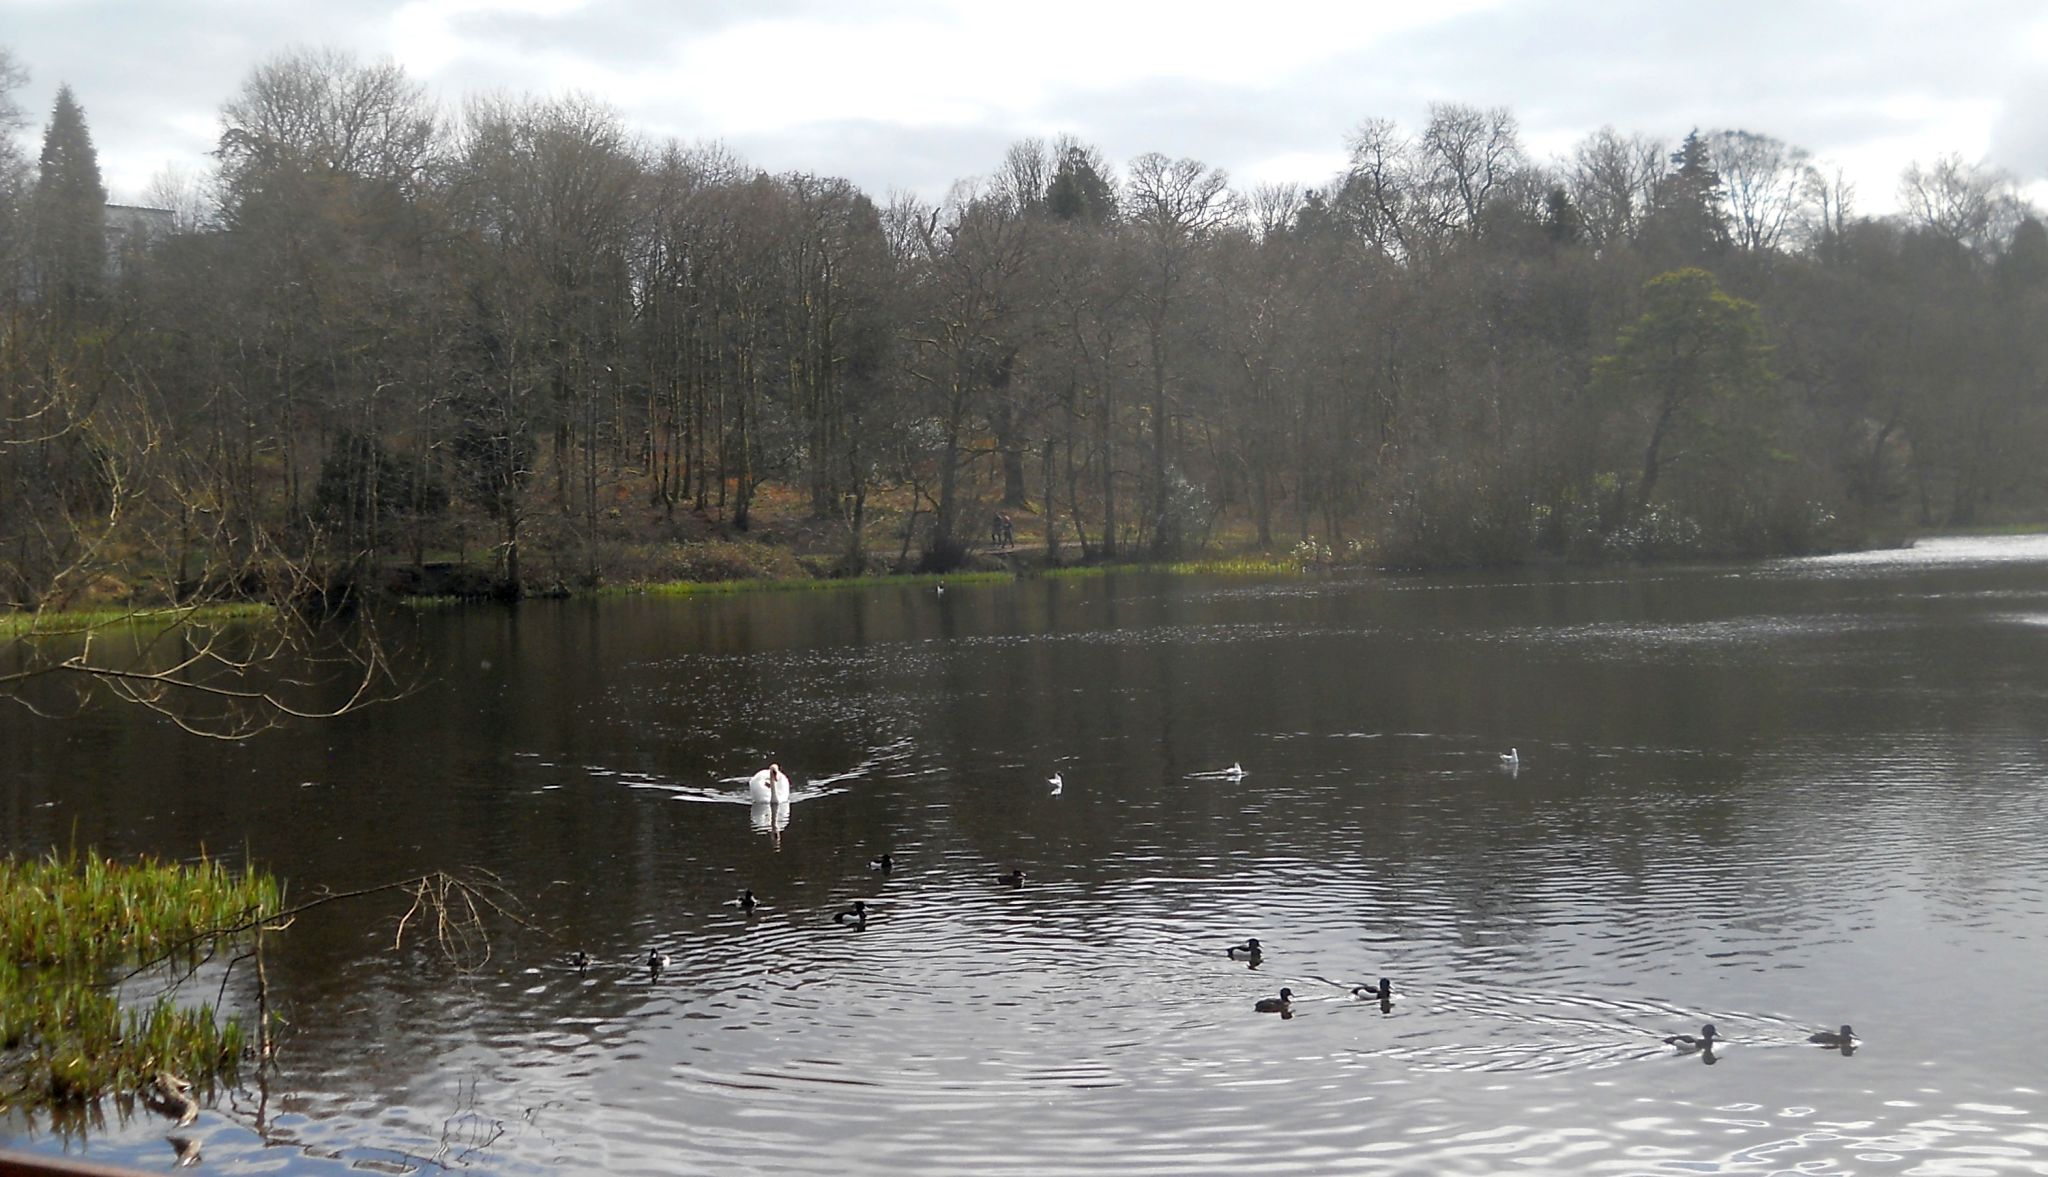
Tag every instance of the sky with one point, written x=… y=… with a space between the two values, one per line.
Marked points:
x=914 y=95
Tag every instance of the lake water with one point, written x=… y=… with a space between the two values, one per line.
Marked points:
x=1777 y=798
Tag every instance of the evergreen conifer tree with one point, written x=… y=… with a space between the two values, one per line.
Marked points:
x=1688 y=221
x=68 y=225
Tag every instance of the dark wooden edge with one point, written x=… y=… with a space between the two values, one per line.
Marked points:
x=17 y=1164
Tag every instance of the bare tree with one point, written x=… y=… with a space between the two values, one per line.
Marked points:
x=1273 y=208
x=1610 y=178
x=1467 y=157
x=318 y=113
x=13 y=76
x=1972 y=205
x=96 y=493
x=1175 y=204
x=177 y=190
x=1026 y=174
x=546 y=192
x=1379 y=188
x=1829 y=204
x=1767 y=183
x=14 y=178
x=962 y=345
x=323 y=164
x=1080 y=361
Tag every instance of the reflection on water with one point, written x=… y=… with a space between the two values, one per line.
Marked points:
x=769 y=818
x=1774 y=800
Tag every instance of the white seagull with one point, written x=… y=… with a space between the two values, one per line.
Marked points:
x=1056 y=783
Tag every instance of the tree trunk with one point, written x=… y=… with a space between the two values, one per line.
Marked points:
x=1652 y=458
x=511 y=586
x=1009 y=449
x=1156 y=474
x=1049 y=515
x=1106 y=441
x=1262 y=504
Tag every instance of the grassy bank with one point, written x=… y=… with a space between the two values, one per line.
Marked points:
x=693 y=588
x=725 y=586
x=56 y=624
x=71 y=623
x=72 y=927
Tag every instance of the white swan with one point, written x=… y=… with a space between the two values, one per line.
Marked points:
x=1512 y=758
x=1056 y=783
x=768 y=819
x=770 y=785
x=1235 y=771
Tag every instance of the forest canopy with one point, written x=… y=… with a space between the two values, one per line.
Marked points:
x=517 y=337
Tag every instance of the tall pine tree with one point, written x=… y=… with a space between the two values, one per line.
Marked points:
x=1688 y=221
x=68 y=217
x=1078 y=191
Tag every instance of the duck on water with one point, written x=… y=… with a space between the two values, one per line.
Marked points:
x=1687 y=1043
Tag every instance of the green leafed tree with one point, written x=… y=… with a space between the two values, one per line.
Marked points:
x=1692 y=375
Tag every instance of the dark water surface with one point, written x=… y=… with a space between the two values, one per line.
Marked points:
x=1777 y=798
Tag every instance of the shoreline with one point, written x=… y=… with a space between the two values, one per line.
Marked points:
x=54 y=623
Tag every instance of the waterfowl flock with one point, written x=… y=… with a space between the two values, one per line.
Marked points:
x=772 y=784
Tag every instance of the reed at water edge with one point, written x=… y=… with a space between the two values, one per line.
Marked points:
x=73 y=928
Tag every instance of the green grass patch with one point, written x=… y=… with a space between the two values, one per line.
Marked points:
x=71 y=928
x=1234 y=566
x=50 y=623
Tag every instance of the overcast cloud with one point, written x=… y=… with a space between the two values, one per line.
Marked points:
x=916 y=94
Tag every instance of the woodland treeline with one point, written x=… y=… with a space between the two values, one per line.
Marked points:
x=382 y=332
